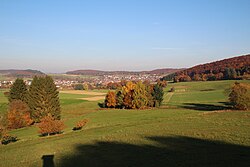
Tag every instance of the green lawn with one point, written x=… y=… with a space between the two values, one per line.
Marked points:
x=193 y=128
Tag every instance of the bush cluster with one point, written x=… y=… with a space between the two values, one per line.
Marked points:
x=6 y=139
x=135 y=95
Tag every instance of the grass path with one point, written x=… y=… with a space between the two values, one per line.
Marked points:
x=168 y=97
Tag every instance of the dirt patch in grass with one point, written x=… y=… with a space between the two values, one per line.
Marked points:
x=95 y=98
x=83 y=92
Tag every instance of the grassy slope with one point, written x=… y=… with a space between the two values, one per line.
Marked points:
x=185 y=134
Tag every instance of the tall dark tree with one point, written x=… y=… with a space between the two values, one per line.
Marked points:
x=158 y=94
x=230 y=73
x=119 y=99
x=44 y=99
x=18 y=91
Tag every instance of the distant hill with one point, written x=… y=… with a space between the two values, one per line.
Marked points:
x=231 y=68
x=21 y=73
x=98 y=72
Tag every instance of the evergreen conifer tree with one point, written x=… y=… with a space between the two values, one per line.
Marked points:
x=18 y=91
x=158 y=95
x=44 y=99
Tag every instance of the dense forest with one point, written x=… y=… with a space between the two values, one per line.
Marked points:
x=232 y=68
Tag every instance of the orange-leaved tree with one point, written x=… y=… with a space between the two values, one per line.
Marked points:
x=18 y=115
x=110 y=100
x=50 y=126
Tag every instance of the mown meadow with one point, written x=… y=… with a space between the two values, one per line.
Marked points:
x=195 y=126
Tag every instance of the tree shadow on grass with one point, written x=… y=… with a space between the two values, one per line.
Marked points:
x=205 y=107
x=168 y=151
x=101 y=104
x=48 y=160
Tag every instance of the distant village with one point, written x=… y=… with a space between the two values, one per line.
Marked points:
x=96 y=82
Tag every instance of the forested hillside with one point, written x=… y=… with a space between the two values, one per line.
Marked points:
x=232 y=68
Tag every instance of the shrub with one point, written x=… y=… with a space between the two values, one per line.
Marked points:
x=240 y=96
x=80 y=124
x=50 y=126
x=172 y=89
x=6 y=139
x=18 y=115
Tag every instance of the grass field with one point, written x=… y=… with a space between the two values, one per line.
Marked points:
x=194 y=127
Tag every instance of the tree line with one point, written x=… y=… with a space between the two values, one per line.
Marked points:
x=135 y=95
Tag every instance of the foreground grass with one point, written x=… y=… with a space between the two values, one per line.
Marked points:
x=192 y=129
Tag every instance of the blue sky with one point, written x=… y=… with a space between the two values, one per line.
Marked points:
x=56 y=36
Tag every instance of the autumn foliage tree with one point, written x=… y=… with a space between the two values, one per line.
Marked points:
x=140 y=96
x=18 y=115
x=110 y=100
x=128 y=91
x=240 y=96
x=50 y=126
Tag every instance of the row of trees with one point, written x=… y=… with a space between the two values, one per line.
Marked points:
x=27 y=106
x=135 y=95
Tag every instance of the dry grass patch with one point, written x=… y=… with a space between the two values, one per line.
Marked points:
x=95 y=98
x=83 y=92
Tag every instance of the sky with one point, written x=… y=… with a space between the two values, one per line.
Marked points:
x=56 y=36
